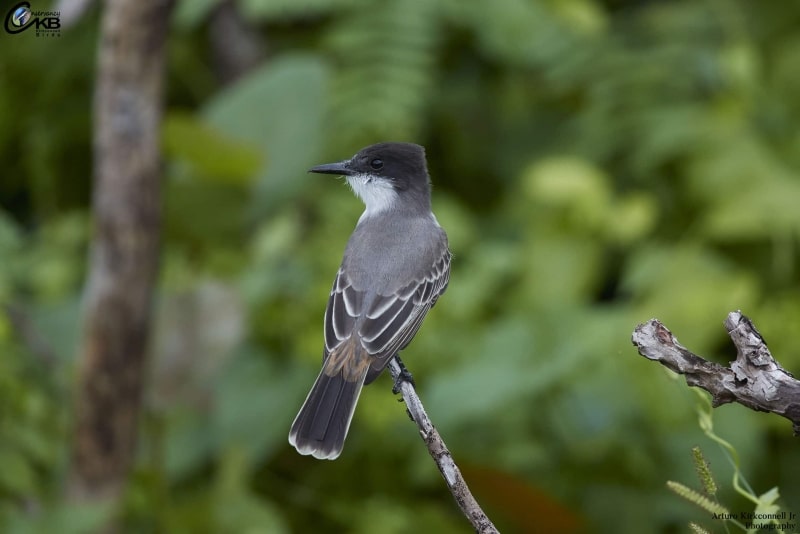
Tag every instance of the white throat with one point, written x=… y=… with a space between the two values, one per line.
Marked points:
x=378 y=195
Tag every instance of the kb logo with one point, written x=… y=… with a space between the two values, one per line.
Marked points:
x=20 y=18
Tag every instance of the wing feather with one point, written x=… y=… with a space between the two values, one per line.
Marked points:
x=378 y=332
x=385 y=324
x=374 y=327
x=345 y=305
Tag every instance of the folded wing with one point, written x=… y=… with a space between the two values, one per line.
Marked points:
x=384 y=324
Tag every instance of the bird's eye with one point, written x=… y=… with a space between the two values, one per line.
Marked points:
x=376 y=164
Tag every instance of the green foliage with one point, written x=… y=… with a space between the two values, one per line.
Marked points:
x=704 y=472
x=766 y=506
x=277 y=108
x=35 y=278
x=207 y=152
x=594 y=163
x=697 y=529
x=275 y=10
x=697 y=498
x=385 y=56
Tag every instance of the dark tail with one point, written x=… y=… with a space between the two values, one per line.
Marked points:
x=321 y=426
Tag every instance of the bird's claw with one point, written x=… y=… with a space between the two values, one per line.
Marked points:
x=403 y=376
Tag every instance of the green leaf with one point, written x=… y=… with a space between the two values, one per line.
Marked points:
x=236 y=509
x=760 y=211
x=64 y=519
x=767 y=502
x=9 y=233
x=255 y=409
x=210 y=153
x=631 y=217
x=271 y=10
x=279 y=108
x=685 y=285
x=500 y=372
x=16 y=473
x=205 y=213
x=190 y=13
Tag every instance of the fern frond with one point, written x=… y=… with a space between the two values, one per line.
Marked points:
x=385 y=56
x=697 y=498
x=272 y=10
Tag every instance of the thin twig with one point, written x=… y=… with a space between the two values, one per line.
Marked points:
x=441 y=455
x=754 y=379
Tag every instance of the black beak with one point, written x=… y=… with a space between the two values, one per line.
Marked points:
x=342 y=167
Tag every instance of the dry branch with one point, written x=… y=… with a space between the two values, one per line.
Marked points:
x=754 y=379
x=441 y=455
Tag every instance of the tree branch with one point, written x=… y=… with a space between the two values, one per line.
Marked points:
x=754 y=379
x=441 y=455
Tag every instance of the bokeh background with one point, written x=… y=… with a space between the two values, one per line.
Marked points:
x=596 y=163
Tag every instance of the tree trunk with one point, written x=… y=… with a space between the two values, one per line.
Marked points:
x=125 y=245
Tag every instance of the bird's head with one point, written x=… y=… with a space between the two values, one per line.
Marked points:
x=386 y=176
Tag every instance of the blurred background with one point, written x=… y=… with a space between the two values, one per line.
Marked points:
x=595 y=163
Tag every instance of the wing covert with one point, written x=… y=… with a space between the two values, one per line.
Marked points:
x=385 y=324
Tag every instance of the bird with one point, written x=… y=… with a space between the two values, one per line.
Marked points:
x=395 y=267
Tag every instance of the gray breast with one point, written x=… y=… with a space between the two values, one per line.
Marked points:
x=384 y=254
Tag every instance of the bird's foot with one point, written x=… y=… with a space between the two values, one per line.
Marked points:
x=404 y=376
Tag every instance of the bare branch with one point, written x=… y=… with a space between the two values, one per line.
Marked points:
x=754 y=379
x=441 y=455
